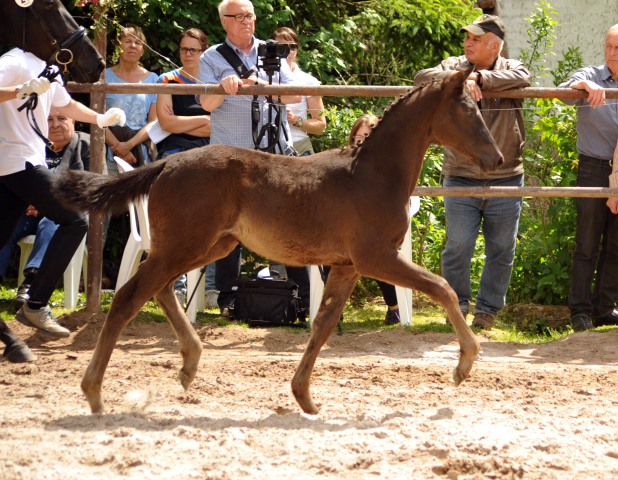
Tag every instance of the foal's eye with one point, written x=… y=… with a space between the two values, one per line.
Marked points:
x=470 y=112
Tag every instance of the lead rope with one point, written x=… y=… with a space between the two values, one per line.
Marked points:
x=32 y=102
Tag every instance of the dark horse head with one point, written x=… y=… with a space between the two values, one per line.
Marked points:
x=47 y=30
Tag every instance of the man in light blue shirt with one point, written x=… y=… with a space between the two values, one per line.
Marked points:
x=230 y=118
x=597 y=223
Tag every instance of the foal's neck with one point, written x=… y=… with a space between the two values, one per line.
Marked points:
x=397 y=145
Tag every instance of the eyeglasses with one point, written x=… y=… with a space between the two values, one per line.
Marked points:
x=293 y=46
x=192 y=51
x=241 y=17
x=358 y=139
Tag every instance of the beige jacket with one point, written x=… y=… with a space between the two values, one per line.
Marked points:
x=503 y=116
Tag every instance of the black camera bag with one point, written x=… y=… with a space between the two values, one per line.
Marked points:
x=268 y=302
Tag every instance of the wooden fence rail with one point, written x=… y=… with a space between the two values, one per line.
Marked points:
x=322 y=90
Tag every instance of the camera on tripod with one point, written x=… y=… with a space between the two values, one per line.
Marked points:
x=273 y=49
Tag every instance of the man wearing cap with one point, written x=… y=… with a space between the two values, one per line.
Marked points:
x=497 y=216
x=596 y=240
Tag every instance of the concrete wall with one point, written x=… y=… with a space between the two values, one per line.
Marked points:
x=583 y=24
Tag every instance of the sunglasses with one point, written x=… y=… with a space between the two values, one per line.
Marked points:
x=293 y=46
x=192 y=51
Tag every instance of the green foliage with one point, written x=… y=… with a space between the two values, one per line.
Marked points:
x=543 y=258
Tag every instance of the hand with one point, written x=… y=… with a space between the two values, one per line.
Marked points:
x=36 y=85
x=111 y=117
x=596 y=93
x=230 y=84
x=129 y=158
x=291 y=116
x=35 y=213
x=473 y=87
x=612 y=203
x=122 y=149
x=168 y=108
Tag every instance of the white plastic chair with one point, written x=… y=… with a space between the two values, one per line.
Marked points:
x=71 y=274
x=404 y=295
x=139 y=242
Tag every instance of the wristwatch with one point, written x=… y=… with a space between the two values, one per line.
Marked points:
x=299 y=123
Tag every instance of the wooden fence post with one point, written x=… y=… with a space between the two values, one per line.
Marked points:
x=97 y=165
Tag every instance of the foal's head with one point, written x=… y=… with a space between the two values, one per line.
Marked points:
x=458 y=124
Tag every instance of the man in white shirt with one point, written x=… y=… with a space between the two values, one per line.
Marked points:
x=25 y=180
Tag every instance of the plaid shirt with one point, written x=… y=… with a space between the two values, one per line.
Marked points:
x=230 y=123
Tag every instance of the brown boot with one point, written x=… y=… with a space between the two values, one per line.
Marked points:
x=448 y=320
x=483 y=320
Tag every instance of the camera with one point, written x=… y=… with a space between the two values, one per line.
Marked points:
x=273 y=49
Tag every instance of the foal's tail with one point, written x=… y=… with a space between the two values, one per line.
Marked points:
x=93 y=192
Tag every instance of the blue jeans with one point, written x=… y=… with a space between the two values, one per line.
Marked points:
x=44 y=230
x=498 y=217
x=209 y=280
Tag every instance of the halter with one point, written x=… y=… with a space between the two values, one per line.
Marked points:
x=61 y=55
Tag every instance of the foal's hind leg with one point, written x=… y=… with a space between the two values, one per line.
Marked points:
x=399 y=270
x=190 y=344
x=339 y=286
x=127 y=303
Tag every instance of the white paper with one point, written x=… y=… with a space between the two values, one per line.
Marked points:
x=156 y=133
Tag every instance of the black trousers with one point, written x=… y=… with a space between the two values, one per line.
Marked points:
x=596 y=245
x=33 y=187
x=228 y=269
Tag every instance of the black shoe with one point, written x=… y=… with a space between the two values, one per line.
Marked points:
x=18 y=352
x=392 y=317
x=610 y=319
x=581 y=322
x=22 y=296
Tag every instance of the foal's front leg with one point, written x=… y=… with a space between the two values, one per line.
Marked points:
x=339 y=286
x=398 y=270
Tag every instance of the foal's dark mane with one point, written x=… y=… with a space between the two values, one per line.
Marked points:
x=396 y=106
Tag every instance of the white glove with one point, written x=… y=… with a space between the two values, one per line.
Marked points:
x=36 y=85
x=111 y=117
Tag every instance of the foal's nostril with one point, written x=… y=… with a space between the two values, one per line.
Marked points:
x=500 y=161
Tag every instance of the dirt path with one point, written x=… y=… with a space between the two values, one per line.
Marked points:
x=388 y=408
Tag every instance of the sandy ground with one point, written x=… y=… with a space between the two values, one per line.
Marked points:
x=388 y=408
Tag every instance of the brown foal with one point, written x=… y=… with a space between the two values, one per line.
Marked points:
x=347 y=208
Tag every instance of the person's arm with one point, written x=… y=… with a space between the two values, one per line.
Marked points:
x=177 y=123
x=439 y=72
x=79 y=112
x=8 y=93
x=317 y=123
x=596 y=93
x=114 y=143
x=515 y=76
x=124 y=148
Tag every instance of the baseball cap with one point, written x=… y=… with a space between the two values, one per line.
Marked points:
x=484 y=24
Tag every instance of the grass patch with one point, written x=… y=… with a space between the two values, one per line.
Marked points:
x=362 y=317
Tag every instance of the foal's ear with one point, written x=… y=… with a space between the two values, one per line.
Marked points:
x=459 y=79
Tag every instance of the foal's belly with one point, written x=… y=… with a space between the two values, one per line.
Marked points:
x=291 y=244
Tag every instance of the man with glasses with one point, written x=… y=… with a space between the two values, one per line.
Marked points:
x=231 y=114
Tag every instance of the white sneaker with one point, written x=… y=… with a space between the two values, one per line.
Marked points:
x=41 y=319
x=211 y=297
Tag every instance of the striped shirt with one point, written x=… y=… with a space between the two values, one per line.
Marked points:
x=230 y=123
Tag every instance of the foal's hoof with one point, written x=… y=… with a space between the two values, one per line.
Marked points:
x=185 y=380
x=458 y=377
